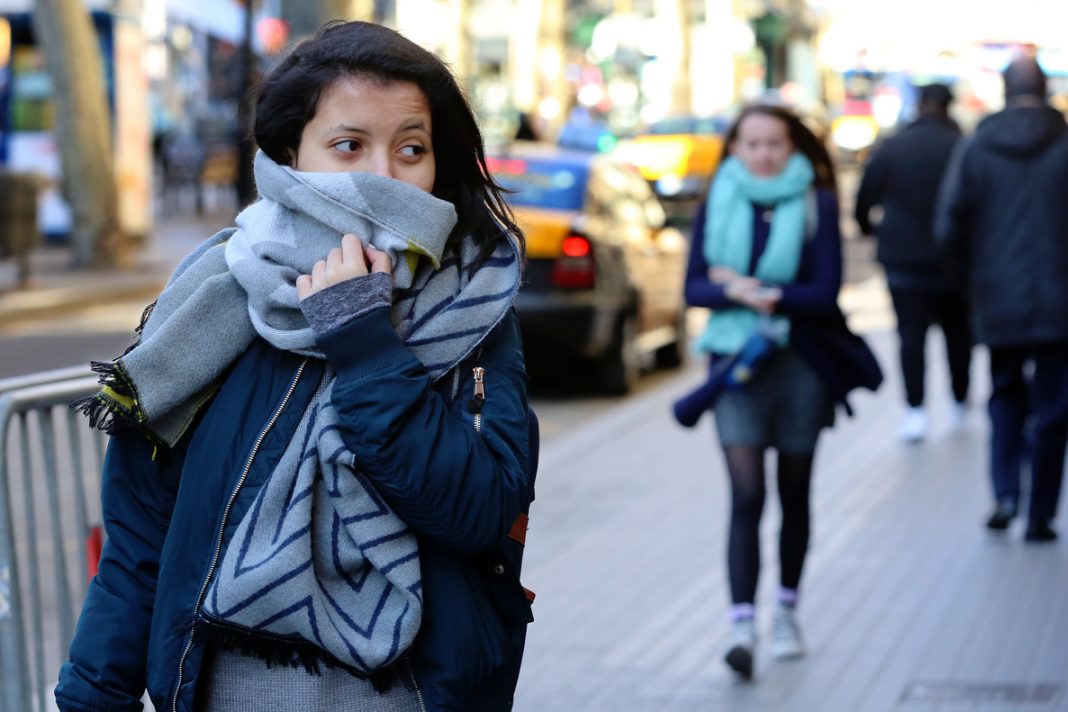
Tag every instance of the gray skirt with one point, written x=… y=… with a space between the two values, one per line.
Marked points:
x=785 y=407
x=237 y=683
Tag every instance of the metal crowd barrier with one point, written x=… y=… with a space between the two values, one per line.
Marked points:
x=50 y=530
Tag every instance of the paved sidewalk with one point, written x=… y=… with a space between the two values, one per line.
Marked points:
x=56 y=288
x=908 y=603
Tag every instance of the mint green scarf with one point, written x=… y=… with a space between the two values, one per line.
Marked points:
x=729 y=241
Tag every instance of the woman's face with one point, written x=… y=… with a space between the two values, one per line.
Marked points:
x=363 y=125
x=763 y=144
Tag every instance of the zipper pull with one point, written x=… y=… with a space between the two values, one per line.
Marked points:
x=475 y=404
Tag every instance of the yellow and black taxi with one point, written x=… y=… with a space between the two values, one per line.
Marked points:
x=604 y=272
x=678 y=156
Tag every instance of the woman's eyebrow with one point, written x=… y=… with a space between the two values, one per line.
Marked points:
x=344 y=128
x=418 y=124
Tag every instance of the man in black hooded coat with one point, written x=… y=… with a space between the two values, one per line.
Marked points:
x=902 y=177
x=1002 y=216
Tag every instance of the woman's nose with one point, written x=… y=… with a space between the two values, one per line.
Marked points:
x=381 y=165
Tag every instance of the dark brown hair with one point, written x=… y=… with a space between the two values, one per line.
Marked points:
x=800 y=136
x=288 y=97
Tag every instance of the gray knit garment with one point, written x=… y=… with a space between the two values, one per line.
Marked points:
x=241 y=684
x=320 y=557
x=242 y=283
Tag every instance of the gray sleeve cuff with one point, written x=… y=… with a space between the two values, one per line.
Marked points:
x=336 y=306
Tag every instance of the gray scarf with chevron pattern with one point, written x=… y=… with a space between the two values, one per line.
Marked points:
x=320 y=558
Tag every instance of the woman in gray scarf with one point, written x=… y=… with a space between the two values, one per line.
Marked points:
x=322 y=453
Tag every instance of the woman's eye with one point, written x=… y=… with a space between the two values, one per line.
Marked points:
x=347 y=146
x=413 y=151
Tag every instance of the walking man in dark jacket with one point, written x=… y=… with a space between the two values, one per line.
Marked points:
x=903 y=177
x=1003 y=213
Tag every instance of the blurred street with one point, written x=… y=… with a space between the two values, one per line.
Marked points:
x=908 y=603
x=124 y=144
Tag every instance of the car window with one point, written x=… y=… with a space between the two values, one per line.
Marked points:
x=541 y=183
x=654 y=213
x=646 y=208
x=700 y=125
x=611 y=194
x=599 y=193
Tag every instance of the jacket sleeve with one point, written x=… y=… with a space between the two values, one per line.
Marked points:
x=460 y=487
x=816 y=293
x=700 y=290
x=108 y=656
x=870 y=192
x=952 y=218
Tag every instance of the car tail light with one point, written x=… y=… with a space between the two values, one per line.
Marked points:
x=575 y=246
x=575 y=268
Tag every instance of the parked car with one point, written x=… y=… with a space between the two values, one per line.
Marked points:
x=678 y=156
x=604 y=272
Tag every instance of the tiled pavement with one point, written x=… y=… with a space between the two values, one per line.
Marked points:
x=908 y=604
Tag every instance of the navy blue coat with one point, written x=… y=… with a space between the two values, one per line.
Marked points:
x=1002 y=216
x=169 y=518
x=818 y=330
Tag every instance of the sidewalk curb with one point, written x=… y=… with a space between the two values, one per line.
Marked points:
x=39 y=303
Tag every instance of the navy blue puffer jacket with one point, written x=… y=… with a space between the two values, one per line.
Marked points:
x=459 y=484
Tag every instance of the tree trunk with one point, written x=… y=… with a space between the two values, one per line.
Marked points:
x=68 y=41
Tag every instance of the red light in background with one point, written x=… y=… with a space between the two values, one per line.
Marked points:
x=508 y=166
x=575 y=269
x=273 y=34
x=575 y=246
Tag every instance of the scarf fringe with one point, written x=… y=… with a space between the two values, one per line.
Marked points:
x=293 y=653
x=140 y=330
x=105 y=411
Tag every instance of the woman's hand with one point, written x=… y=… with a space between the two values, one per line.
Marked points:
x=750 y=292
x=343 y=263
x=723 y=275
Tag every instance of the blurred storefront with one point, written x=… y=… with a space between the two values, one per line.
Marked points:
x=173 y=72
x=879 y=53
x=27 y=142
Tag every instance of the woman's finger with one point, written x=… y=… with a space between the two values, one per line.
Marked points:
x=304 y=286
x=379 y=260
x=334 y=266
x=352 y=249
x=318 y=275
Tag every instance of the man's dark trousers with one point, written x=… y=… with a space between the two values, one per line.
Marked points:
x=917 y=308
x=1029 y=390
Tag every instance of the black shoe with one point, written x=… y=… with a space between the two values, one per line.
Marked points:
x=743 y=642
x=1003 y=514
x=1040 y=532
x=740 y=659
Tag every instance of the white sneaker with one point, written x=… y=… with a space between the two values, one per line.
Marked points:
x=914 y=425
x=741 y=648
x=786 y=634
x=958 y=416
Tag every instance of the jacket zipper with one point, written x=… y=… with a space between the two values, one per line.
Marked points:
x=222 y=526
x=479 y=396
x=415 y=684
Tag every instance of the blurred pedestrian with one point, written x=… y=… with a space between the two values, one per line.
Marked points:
x=767 y=251
x=1003 y=215
x=902 y=177
x=322 y=449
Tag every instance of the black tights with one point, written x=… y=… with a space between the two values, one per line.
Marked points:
x=745 y=464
